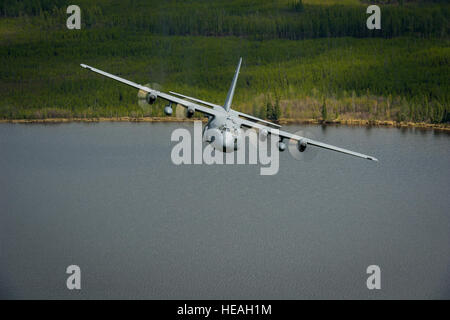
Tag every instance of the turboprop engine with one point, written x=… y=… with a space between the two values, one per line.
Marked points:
x=281 y=146
x=302 y=145
x=263 y=134
x=190 y=112
x=151 y=98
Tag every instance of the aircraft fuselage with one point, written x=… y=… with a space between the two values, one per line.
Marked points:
x=223 y=133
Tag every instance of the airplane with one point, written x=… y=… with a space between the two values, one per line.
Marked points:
x=224 y=127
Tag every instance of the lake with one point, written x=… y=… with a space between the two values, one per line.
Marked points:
x=107 y=197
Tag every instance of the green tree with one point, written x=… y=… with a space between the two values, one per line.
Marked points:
x=298 y=6
x=324 y=111
x=276 y=111
x=269 y=110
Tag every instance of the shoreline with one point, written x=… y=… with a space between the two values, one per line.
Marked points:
x=282 y=121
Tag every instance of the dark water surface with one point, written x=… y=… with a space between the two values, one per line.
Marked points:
x=107 y=197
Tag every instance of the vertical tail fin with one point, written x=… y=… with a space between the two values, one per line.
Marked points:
x=230 y=95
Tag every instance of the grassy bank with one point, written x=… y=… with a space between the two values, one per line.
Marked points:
x=282 y=121
x=397 y=75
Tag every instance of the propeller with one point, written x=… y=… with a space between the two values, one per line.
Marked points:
x=180 y=112
x=309 y=153
x=183 y=112
x=142 y=96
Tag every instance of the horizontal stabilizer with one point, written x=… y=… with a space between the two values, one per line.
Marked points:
x=196 y=100
x=247 y=116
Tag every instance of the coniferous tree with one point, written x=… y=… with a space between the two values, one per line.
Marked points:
x=324 y=111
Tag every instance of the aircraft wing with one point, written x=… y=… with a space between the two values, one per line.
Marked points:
x=159 y=94
x=288 y=135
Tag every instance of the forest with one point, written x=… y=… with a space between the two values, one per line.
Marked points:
x=305 y=59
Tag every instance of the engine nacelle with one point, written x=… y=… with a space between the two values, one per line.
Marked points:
x=302 y=145
x=190 y=112
x=151 y=98
x=263 y=134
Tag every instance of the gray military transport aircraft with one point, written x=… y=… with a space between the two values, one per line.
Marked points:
x=223 y=129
